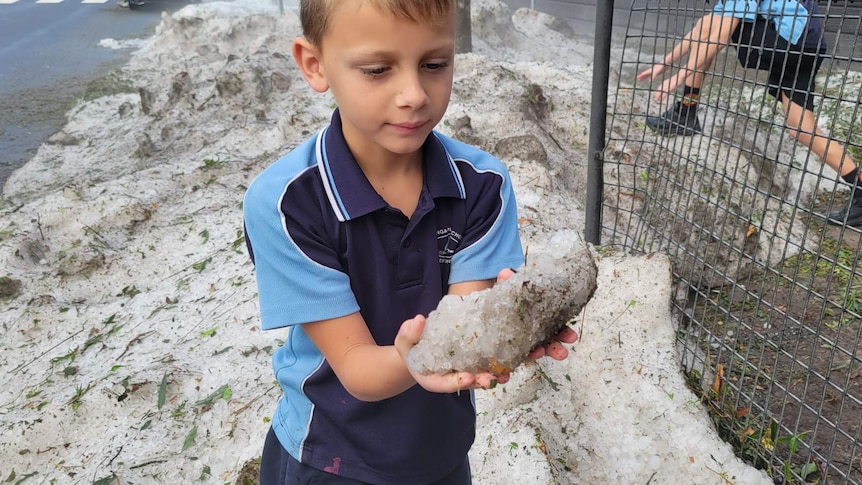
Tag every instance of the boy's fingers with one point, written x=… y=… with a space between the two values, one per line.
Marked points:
x=463 y=381
x=567 y=335
x=486 y=380
x=646 y=75
x=536 y=353
x=556 y=351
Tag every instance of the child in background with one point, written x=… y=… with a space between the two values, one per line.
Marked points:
x=357 y=234
x=782 y=37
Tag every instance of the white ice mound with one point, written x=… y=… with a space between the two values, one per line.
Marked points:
x=495 y=329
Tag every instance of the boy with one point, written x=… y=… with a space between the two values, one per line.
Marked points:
x=358 y=233
x=783 y=37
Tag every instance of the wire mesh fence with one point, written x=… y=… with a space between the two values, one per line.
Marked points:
x=734 y=174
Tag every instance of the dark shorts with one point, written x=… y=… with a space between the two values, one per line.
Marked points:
x=791 y=68
x=277 y=467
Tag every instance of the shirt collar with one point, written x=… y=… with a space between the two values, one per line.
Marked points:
x=349 y=191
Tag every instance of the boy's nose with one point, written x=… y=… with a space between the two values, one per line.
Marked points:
x=412 y=93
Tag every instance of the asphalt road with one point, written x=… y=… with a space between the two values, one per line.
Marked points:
x=49 y=52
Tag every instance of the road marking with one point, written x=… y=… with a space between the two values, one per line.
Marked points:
x=7 y=2
x=94 y=1
x=49 y=1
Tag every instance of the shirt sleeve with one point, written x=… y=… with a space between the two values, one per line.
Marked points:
x=493 y=239
x=741 y=9
x=293 y=288
x=790 y=17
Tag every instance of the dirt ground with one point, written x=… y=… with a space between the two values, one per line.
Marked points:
x=789 y=337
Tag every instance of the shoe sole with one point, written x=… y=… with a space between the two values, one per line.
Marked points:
x=850 y=223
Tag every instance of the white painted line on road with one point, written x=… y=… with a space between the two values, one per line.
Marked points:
x=94 y=1
x=7 y=2
x=49 y=1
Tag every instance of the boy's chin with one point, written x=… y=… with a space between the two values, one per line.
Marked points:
x=406 y=146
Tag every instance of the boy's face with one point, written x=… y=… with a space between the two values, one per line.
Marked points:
x=391 y=77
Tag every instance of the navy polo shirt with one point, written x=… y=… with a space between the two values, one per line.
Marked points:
x=326 y=245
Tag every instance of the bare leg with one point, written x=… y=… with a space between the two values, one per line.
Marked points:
x=801 y=125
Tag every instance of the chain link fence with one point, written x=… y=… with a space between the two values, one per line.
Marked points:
x=769 y=298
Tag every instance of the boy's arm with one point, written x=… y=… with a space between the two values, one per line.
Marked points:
x=711 y=34
x=372 y=372
x=678 y=52
x=467 y=287
x=368 y=371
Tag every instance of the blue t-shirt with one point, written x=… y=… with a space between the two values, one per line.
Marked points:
x=794 y=20
x=326 y=245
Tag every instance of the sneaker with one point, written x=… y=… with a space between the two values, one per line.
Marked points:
x=678 y=120
x=123 y=3
x=136 y=3
x=849 y=215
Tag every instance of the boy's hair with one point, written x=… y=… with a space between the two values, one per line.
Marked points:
x=315 y=14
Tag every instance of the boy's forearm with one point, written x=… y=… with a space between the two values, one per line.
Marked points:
x=697 y=33
x=373 y=373
x=710 y=35
x=678 y=52
x=369 y=372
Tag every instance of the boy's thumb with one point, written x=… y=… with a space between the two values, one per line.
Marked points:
x=409 y=334
x=413 y=329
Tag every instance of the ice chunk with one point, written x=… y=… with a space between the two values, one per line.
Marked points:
x=495 y=329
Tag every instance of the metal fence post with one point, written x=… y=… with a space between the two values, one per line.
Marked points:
x=598 y=120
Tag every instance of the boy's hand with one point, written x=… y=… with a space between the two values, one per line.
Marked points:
x=665 y=88
x=652 y=73
x=554 y=349
x=409 y=335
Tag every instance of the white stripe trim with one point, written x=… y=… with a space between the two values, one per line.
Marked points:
x=330 y=193
x=503 y=204
x=457 y=172
x=284 y=228
x=454 y=168
x=313 y=406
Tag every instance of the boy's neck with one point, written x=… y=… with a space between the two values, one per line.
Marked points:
x=386 y=164
x=398 y=180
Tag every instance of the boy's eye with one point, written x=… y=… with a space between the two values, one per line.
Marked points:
x=374 y=71
x=436 y=66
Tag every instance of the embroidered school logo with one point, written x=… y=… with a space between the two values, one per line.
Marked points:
x=448 y=241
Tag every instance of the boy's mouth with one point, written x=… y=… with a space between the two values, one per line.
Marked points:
x=408 y=127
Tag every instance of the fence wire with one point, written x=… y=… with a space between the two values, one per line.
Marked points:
x=769 y=298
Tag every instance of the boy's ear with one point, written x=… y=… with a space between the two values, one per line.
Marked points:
x=307 y=57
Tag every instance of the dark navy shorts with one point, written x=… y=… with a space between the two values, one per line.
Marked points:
x=791 y=68
x=277 y=467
